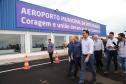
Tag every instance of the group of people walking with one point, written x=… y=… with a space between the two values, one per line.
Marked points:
x=94 y=54
x=89 y=52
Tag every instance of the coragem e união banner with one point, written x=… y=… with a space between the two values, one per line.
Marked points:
x=38 y=17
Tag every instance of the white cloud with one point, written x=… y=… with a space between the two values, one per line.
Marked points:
x=53 y=4
x=109 y=12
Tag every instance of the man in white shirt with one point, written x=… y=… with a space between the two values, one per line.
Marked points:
x=87 y=56
x=98 y=52
x=122 y=51
x=112 y=52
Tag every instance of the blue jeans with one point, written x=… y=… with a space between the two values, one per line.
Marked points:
x=123 y=63
x=91 y=65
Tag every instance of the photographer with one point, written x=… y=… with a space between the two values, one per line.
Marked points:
x=112 y=52
x=122 y=51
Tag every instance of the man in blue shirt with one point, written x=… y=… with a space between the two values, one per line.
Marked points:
x=77 y=53
x=50 y=50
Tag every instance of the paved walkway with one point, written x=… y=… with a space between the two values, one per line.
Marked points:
x=52 y=74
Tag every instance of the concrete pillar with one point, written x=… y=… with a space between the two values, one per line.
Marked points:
x=27 y=43
x=52 y=37
x=22 y=38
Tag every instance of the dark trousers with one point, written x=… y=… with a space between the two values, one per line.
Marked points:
x=77 y=65
x=51 y=56
x=112 y=55
x=74 y=66
x=71 y=66
x=98 y=59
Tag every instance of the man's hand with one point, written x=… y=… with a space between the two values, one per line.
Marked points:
x=87 y=59
x=69 y=59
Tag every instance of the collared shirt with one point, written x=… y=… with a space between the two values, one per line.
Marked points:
x=122 y=49
x=50 y=47
x=111 y=42
x=87 y=46
x=98 y=45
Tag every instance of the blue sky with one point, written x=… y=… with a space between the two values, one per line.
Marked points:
x=109 y=12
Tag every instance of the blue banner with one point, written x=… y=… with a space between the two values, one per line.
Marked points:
x=38 y=17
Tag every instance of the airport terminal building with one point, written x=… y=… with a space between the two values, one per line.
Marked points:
x=25 y=29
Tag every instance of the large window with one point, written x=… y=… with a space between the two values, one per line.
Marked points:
x=59 y=42
x=39 y=43
x=11 y=44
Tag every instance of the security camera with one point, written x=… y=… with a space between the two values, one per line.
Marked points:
x=56 y=10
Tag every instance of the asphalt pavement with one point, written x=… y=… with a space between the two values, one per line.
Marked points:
x=51 y=74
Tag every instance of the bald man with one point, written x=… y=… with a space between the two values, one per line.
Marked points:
x=98 y=52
